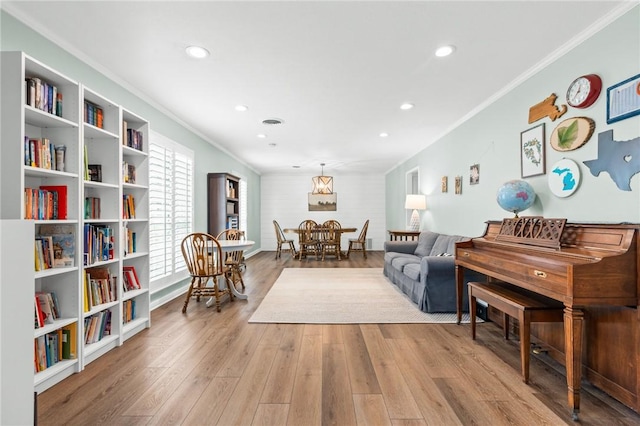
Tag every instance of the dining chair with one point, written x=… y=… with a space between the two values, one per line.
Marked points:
x=203 y=255
x=282 y=240
x=360 y=243
x=234 y=260
x=308 y=239
x=330 y=238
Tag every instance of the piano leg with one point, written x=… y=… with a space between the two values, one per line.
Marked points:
x=573 y=327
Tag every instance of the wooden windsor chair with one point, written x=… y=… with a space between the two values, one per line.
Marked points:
x=203 y=255
x=360 y=243
x=234 y=260
x=308 y=239
x=283 y=241
x=330 y=238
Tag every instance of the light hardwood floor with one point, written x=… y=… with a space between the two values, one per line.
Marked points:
x=206 y=367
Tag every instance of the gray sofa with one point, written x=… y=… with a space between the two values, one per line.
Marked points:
x=425 y=270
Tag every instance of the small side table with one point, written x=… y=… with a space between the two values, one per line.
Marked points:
x=403 y=235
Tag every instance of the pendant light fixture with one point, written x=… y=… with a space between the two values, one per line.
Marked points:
x=322 y=184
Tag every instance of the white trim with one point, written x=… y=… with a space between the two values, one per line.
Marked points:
x=42 y=30
x=545 y=62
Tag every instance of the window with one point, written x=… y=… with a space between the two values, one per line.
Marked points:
x=170 y=209
x=243 y=205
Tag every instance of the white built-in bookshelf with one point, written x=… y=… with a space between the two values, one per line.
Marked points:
x=63 y=171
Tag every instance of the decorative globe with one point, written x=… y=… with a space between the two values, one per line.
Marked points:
x=515 y=196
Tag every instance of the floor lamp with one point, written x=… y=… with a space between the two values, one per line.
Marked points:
x=415 y=202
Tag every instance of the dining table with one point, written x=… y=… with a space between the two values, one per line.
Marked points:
x=339 y=231
x=229 y=246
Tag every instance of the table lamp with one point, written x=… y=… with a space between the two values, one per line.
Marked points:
x=415 y=202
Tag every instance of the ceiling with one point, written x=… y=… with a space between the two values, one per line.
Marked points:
x=335 y=72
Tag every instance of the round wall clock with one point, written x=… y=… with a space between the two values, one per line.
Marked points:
x=564 y=178
x=584 y=91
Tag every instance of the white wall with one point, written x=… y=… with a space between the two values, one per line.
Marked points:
x=491 y=138
x=360 y=197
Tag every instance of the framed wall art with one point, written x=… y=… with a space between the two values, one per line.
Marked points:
x=474 y=174
x=323 y=202
x=458 y=185
x=623 y=99
x=532 y=152
x=445 y=183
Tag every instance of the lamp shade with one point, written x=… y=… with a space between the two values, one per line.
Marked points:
x=415 y=202
x=322 y=185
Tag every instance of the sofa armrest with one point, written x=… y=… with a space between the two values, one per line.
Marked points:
x=437 y=268
x=408 y=247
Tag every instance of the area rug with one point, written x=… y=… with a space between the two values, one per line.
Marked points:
x=340 y=296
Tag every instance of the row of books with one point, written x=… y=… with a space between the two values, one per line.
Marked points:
x=46 y=309
x=129 y=241
x=92 y=208
x=131 y=137
x=44 y=154
x=128 y=172
x=46 y=203
x=93 y=114
x=130 y=279
x=54 y=251
x=99 y=243
x=128 y=206
x=128 y=311
x=54 y=347
x=44 y=96
x=99 y=287
x=97 y=326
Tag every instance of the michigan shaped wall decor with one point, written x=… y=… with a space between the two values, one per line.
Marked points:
x=621 y=159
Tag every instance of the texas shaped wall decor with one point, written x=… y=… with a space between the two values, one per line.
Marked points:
x=621 y=159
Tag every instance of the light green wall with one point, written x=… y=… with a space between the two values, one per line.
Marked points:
x=16 y=36
x=492 y=139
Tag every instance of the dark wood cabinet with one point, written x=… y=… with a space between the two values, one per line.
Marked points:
x=223 y=202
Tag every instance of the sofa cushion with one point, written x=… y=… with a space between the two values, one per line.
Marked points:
x=446 y=244
x=390 y=255
x=400 y=262
x=412 y=270
x=426 y=240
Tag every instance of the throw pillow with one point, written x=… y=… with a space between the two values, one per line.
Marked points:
x=426 y=240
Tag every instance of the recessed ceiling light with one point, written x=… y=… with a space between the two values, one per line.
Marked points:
x=241 y=108
x=197 y=52
x=406 y=106
x=272 y=121
x=445 y=51
x=384 y=134
x=262 y=136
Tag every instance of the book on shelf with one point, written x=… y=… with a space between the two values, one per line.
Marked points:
x=99 y=243
x=99 y=287
x=131 y=278
x=92 y=208
x=95 y=172
x=128 y=172
x=63 y=240
x=97 y=326
x=86 y=163
x=128 y=310
x=93 y=114
x=129 y=241
x=133 y=138
x=43 y=95
x=59 y=210
x=39 y=315
x=128 y=207
x=50 y=310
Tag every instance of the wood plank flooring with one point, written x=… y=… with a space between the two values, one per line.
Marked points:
x=210 y=368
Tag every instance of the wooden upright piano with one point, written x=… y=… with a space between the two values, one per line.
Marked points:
x=593 y=270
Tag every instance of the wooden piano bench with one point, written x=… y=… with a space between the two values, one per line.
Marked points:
x=513 y=301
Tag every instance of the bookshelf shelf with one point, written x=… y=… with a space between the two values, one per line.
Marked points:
x=89 y=130
x=57 y=324
x=134 y=293
x=99 y=308
x=65 y=366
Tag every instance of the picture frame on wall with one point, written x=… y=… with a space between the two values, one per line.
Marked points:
x=444 y=183
x=532 y=152
x=323 y=202
x=623 y=99
x=474 y=174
